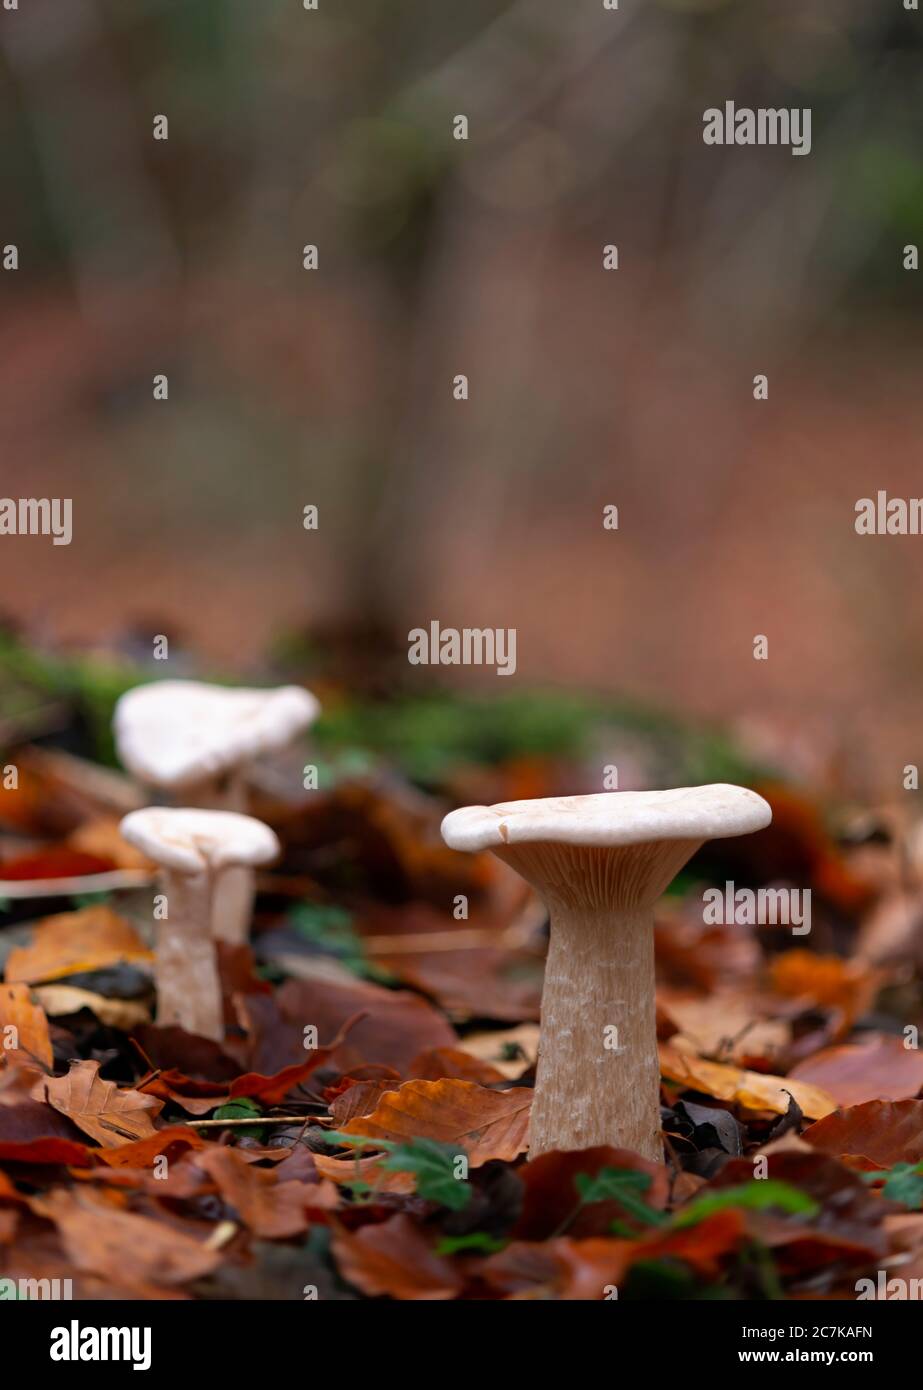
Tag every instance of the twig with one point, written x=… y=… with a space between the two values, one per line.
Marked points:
x=252 y=1120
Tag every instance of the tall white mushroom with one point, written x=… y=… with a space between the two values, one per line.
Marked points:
x=196 y=742
x=194 y=850
x=600 y=863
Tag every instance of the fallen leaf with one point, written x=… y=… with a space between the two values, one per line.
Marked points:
x=102 y=838
x=881 y=1068
x=581 y=1270
x=75 y=942
x=28 y=1023
x=486 y=1124
x=59 y=1000
x=128 y=1248
x=754 y=1090
x=110 y=1116
x=360 y=1099
x=512 y=1051
x=729 y=1023
x=506 y=985
x=884 y=1131
x=438 y=1062
x=346 y=1172
x=142 y=1152
x=396 y=1026
x=830 y=981
x=395 y=1258
x=54 y=862
x=272 y=1209
x=551 y=1201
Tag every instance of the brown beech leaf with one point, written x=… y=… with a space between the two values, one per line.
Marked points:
x=848 y=1223
x=752 y=1089
x=28 y=1022
x=551 y=1201
x=360 y=1099
x=347 y=1171
x=75 y=941
x=46 y=1151
x=588 y=1269
x=395 y=1024
x=486 y=1124
x=397 y=1259
x=438 y=1062
x=879 y=1069
x=483 y=982
x=729 y=1023
x=272 y=1209
x=123 y=1014
x=826 y=980
x=126 y=1247
x=887 y=1132
x=172 y=1141
x=513 y=1051
x=110 y=1116
x=199 y=1096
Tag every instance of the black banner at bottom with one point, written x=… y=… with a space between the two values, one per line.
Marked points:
x=158 y=1340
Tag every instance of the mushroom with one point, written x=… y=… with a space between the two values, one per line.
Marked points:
x=196 y=741
x=194 y=850
x=599 y=863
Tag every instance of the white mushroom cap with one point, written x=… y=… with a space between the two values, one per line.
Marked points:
x=611 y=818
x=178 y=733
x=191 y=841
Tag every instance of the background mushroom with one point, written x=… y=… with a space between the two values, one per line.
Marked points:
x=196 y=742
x=600 y=863
x=193 y=850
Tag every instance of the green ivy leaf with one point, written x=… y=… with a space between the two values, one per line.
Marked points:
x=624 y=1186
x=758 y=1195
x=433 y=1165
x=903 y=1184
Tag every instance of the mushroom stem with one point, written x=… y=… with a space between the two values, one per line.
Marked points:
x=235 y=888
x=186 y=971
x=598 y=1070
x=598 y=1073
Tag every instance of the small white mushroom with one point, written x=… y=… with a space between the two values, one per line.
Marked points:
x=196 y=741
x=194 y=850
x=600 y=863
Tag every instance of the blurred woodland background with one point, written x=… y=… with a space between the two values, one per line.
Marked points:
x=438 y=257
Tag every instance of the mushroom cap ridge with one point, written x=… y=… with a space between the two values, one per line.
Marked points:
x=177 y=733
x=712 y=812
x=191 y=841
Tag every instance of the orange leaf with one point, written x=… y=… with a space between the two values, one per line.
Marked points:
x=395 y=1258
x=752 y=1089
x=18 y=1012
x=438 y=1062
x=56 y=862
x=882 y=1068
x=881 y=1130
x=129 y=1249
x=486 y=1124
x=110 y=1116
x=272 y=1209
x=826 y=980
x=142 y=1152
x=346 y=1171
x=45 y=1151
x=75 y=941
